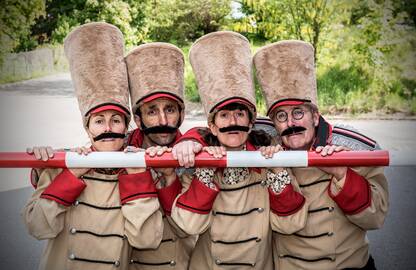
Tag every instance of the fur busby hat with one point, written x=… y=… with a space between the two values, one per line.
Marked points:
x=286 y=73
x=222 y=65
x=156 y=70
x=95 y=55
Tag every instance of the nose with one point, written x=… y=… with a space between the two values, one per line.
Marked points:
x=233 y=119
x=290 y=121
x=108 y=127
x=163 y=121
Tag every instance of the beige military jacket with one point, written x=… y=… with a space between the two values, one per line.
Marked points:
x=334 y=236
x=235 y=229
x=174 y=251
x=95 y=232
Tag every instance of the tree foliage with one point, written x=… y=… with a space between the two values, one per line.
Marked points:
x=16 y=18
x=182 y=21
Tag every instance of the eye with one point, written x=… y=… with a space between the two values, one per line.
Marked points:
x=117 y=120
x=281 y=116
x=151 y=112
x=171 y=110
x=98 y=121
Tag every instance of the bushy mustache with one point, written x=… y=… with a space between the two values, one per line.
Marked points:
x=109 y=135
x=292 y=130
x=234 y=128
x=159 y=129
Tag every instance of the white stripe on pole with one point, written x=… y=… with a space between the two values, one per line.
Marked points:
x=255 y=159
x=402 y=158
x=106 y=160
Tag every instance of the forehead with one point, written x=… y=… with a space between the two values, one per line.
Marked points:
x=160 y=103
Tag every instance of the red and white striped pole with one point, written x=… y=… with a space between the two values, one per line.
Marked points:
x=232 y=159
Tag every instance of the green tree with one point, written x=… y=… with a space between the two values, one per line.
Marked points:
x=287 y=19
x=16 y=18
x=62 y=16
x=182 y=21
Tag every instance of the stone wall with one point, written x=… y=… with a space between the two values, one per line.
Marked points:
x=27 y=65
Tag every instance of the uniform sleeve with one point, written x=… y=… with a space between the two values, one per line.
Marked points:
x=44 y=214
x=289 y=209
x=191 y=210
x=141 y=210
x=364 y=197
x=167 y=196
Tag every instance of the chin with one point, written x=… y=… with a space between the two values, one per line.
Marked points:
x=108 y=146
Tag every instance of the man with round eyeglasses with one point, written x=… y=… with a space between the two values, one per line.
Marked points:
x=343 y=203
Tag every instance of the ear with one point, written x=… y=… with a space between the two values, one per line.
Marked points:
x=213 y=128
x=315 y=116
x=137 y=121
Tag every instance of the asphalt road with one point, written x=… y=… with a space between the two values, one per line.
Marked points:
x=45 y=112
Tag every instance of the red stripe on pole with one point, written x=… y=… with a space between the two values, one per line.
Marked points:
x=350 y=159
x=24 y=160
x=201 y=160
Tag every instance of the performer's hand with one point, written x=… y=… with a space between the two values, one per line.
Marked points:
x=168 y=175
x=215 y=151
x=41 y=152
x=269 y=151
x=185 y=152
x=338 y=172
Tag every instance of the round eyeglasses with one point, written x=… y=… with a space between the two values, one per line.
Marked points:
x=297 y=114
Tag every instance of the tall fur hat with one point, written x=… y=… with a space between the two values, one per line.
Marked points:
x=223 y=69
x=155 y=70
x=286 y=73
x=95 y=55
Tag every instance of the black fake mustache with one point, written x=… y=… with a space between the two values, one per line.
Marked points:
x=291 y=130
x=109 y=135
x=234 y=128
x=160 y=129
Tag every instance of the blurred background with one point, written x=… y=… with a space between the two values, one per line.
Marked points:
x=365 y=50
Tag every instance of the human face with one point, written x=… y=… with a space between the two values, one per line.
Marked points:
x=159 y=112
x=232 y=140
x=105 y=122
x=301 y=139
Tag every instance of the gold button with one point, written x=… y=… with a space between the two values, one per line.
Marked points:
x=73 y=230
x=117 y=263
x=72 y=256
x=217 y=262
x=260 y=210
x=172 y=263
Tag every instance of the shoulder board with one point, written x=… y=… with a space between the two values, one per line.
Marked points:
x=349 y=137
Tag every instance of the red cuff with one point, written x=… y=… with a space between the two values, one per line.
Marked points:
x=287 y=202
x=135 y=186
x=194 y=135
x=168 y=194
x=198 y=198
x=355 y=196
x=64 y=189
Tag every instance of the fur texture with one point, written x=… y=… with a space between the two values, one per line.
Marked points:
x=155 y=68
x=95 y=54
x=286 y=70
x=223 y=69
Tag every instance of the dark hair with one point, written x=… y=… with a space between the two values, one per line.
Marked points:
x=236 y=106
x=255 y=137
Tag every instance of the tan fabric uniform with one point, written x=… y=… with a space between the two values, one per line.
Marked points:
x=237 y=233
x=158 y=68
x=96 y=229
x=239 y=228
x=330 y=239
x=97 y=210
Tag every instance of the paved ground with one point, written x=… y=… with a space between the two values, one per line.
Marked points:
x=45 y=112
